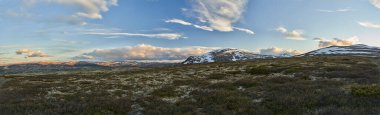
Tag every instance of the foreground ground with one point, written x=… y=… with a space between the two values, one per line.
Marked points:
x=314 y=85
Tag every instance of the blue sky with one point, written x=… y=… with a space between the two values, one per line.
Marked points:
x=115 y=30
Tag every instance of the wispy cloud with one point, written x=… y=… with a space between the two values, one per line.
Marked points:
x=182 y=22
x=207 y=28
x=118 y=33
x=336 y=11
x=248 y=31
x=86 y=8
x=170 y=36
x=368 y=24
x=337 y=42
x=291 y=34
x=143 y=52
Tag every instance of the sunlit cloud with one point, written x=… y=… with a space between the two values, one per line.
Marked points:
x=31 y=53
x=375 y=3
x=86 y=8
x=143 y=52
x=279 y=51
x=291 y=34
x=219 y=14
x=337 y=42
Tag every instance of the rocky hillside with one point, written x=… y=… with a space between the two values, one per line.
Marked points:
x=225 y=55
x=354 y=50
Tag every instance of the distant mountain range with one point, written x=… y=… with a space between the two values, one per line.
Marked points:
x=221 y=55
x=229 y=54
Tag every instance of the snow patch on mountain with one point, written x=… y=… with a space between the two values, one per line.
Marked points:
x=225 y=55
x=354 y=50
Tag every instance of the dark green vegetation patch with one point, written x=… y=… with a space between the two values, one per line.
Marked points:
x=298 y=86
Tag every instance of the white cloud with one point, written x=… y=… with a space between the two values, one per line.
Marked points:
x=369 y=24
x=337 y=42
x=375 y=3
x=207 y=28
x=336 y=11
x=244 y=30
x=293 y=34
x=282 y=29
x=31 y=53
x=279 y=51
x=87 y=8
x=170 y=36
x=204 y=28
x=178 y=21
x=143 y=52
x=219 y=14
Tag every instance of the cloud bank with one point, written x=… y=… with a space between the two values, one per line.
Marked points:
x=31 y=53
x=142 y=52
x=337 y=42
x=279 y=51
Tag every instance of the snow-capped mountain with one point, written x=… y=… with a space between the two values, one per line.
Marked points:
x=225 y=55
x=353 y=50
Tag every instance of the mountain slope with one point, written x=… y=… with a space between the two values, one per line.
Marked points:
x=224 y=55
x=353 y=50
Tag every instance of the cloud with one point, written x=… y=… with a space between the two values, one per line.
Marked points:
x=337 y=42
x=244 y=30
x=369 y=24
x=182 y=22
x=279 y=51
x=170 y=36
x=178 y=21
x=87 y=8
x=293 y=34
x=336 y=11
x=207 y=28
x=375 y=3
x=219 y=14
x=143 y=52
x=31 y=53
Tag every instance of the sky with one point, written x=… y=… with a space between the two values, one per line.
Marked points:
x=119 y=30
